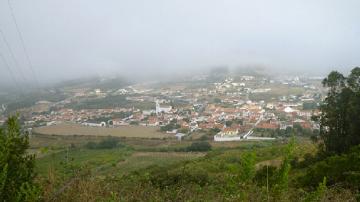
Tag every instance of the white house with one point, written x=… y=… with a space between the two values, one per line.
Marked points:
x=179 y=136
x=102 y=124
x=288 y=110
x=148 y=112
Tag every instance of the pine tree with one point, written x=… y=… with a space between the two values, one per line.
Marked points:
x=340 y=120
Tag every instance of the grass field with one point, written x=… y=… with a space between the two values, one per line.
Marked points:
x=69 y=163
x=95 y=160
x=61 y=158
x=117 y=161
x=276 y=91
x=123 y=131
x=53 y=152
x=140 y=160
x=279 y=90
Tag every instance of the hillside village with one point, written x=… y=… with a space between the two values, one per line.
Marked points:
x=233 y=109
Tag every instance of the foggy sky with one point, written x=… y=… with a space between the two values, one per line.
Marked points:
x=74 y=38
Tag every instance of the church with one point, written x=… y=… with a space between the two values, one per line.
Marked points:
x=162 y=109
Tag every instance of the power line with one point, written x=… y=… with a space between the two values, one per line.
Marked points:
x=23 y=43
x=12 y=55
x=11 y=73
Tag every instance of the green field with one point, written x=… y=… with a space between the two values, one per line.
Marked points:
x=141 y=160
x=154 y=169
x=96 y=160
x=56 y=151
x=140 y=168
x=117 y=161
x=277 y=91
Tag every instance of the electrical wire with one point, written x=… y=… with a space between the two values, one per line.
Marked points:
x=23 y=44
x=12 y=75
x=13 y=56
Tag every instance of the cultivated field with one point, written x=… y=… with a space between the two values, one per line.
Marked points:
x=123 y=131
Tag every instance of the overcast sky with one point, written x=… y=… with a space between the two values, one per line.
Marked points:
x=74 y=38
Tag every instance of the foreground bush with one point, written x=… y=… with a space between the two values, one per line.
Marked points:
x=16 y=167
x=199 y=147
x=344 y=168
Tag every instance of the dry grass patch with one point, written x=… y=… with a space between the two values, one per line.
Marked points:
x=123 y=131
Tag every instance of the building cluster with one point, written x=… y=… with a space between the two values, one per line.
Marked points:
x=226 y=107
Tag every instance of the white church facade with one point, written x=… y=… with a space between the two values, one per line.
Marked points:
x=162 y=109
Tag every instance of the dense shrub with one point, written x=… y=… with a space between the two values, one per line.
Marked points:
x=344 y=168
x=91 y=145
x=204 y=137
x=108 y=143
x=199 y=146
x=266 y=176
x=183 y=176
x=169 y=127
x=16 y=167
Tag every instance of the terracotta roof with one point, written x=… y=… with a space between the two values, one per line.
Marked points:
x=267 y=125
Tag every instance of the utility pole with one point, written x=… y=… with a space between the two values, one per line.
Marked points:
x=267 y=181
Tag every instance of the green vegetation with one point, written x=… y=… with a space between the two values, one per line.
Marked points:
x=340 y=120
x=343 y=168
x=171 y=126
x=95 y=82
x=292 y=168
x=199 y=147
x=310 y=105
x=229 y=174
x=276 y=91
x=217 y=100
x=16 y=167
x=108 y=143
x=297 y=129
x=274 y=171
x=110 y=101
x=30 y=99
x=107 y=102
x=111 y=116
x=66 y=162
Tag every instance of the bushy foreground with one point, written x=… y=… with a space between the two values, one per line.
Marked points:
x=16 y=166
x=222 y=175
x=230 y=175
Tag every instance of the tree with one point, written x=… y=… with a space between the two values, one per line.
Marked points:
x=281 y=186
x=171 y=126
x=228 y=123
x=310 y=105
x=217 y=100
x=340 y=121
x=16 y=166
x=184 y=130
x=248 y=170
x=108 y=143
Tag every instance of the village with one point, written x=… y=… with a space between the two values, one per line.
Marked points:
x=249 y=108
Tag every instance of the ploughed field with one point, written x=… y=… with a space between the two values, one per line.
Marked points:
x=122 y=131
